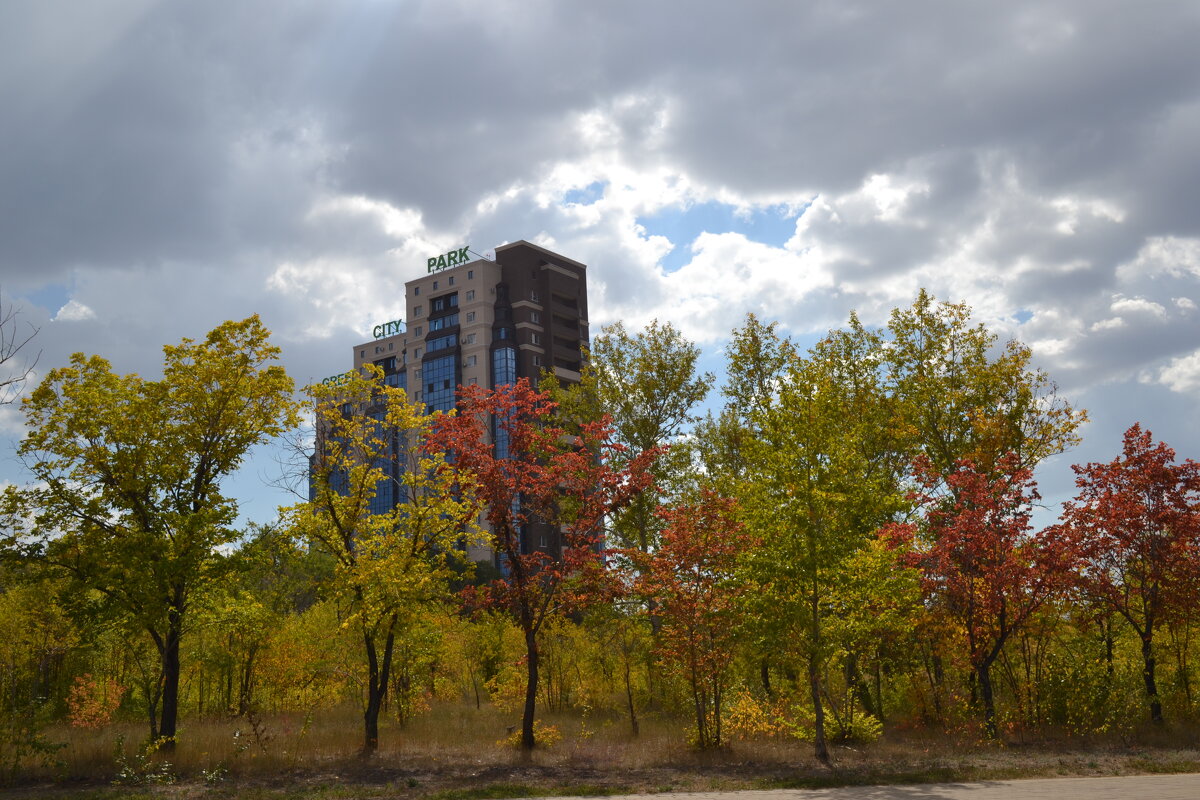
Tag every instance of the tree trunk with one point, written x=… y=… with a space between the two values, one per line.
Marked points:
x=170 y=692
x=531 y=687
x=371 y=713
x=246 y=687
x=984 y=672
x=764 y=676
x=820 y=749
x=1148 y=665
x=1108 y=647
x=855 y=678
x=633 y=720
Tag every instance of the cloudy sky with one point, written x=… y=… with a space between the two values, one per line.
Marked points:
x=167 y=166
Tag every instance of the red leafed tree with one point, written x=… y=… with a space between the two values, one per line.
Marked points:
x=691 y=580
x=531 y=474
x=980 y=565
x=1136 y=521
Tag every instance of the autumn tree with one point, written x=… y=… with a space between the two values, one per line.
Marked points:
x=980 y=564
x=532 y=476
x=967 y=396
x=756 y=358
x=390 y=512
x=127 y=499
x=692 y=579
x=647 y=384
x=1136 y=523
x=818 y=480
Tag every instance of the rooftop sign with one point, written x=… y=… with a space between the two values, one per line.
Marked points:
x=388 y=329
x=447 y=260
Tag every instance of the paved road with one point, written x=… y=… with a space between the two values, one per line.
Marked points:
x=1133 y=787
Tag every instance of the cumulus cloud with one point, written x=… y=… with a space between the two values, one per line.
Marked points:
x=1181 y=374
x=74 y=311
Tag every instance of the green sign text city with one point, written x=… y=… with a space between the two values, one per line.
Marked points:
x=388 y=328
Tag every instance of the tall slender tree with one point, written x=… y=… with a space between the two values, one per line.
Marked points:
x=692 y=579
x=391 y=513
x=530 y=472
x=819 y=479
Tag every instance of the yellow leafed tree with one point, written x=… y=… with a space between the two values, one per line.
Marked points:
x=387 y=512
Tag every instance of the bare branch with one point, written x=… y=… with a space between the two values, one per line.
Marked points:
x=13 y=339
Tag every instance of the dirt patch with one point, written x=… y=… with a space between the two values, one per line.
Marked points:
x=741 y=767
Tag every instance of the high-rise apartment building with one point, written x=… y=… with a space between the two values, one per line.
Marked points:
x=485 y=322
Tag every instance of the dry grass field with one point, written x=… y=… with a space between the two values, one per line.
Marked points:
x=455 y=752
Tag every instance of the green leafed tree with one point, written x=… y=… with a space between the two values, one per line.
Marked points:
x=967 y=396
x=819 y=478
x=393 y=516
x=647 y=384
x=127 y=498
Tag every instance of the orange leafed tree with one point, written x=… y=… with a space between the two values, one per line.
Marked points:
x=1136 y=521
x=980 y=564
x=531 y=474
x=691 y=579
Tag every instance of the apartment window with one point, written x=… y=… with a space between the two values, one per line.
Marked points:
x=471 y=361
x=417 y=331
x=470 y=274
x=534 y=317
x=439 y=382
x=504 y=366
x=440 y=343
x=473 y=381
x=470 y=316
x=417 y=353
x=533 y=296
x=435 y=283
x=448 y=321
x=470 y=339
x=417 y=311
x=378 y=349
x=470 y=295
x=537 y=361
x=416 y=291
x=391 y=345
x=362 y=353
x=535 y=339
x=454 y=300
x=450 y=281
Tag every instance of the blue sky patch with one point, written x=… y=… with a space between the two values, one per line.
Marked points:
x=772 y=225
x=51 y=297
x=1023 y=316
x=587 y=195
